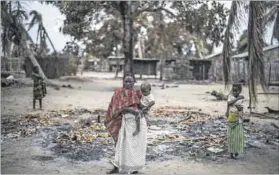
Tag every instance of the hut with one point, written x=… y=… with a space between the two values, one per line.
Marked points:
x=145 y=66
x=271 y=58
x=215 y=71
x=92 y=64
x=142 y=66
x=200 y=68
x=114 y=61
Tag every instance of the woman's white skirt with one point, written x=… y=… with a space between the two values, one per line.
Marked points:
x=130 y=154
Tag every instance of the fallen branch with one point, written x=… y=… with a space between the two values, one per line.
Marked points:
x=272 y=111
x=188 y=117
x=188 y=111
x=195 y=139
x=263 y=116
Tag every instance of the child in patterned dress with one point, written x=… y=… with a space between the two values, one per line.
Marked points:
x=39 y=88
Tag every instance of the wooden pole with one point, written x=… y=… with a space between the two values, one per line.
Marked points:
x=269 y=76
x=203 y=66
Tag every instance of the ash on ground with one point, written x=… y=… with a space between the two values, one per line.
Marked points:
x=80 y=135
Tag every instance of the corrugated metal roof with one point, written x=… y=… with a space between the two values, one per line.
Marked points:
x=212 y=55
x=146 y=59
x=93 y=59
x=122 y=57
x=245 y=54
x=116 y=57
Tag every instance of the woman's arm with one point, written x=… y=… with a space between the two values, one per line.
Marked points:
x=129 y=110
x=35 y=75
x=231 y=102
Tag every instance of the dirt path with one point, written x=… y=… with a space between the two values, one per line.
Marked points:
x=24 y=156
x=96 y=93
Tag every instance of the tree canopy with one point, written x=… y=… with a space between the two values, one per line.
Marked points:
x=202 y=22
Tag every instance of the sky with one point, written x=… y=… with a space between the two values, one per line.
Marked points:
x=53 y=20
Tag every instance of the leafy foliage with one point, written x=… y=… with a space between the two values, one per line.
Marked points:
x=260 y=14
x=208 y=24
x=206 y=20
x=255 y=49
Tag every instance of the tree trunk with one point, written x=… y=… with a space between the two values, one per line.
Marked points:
x=5 y=41
x=128 y=44
x=28 y=53
x=54 y=50
x=117 y=63
x=161 y=69
x=163 y=50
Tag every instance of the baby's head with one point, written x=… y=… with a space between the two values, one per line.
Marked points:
x=145 y=88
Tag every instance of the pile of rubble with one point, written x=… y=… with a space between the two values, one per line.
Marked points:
x=9 y=81
x=83 y=135
x=30 y=123
x=80 y=135
x=198 y=135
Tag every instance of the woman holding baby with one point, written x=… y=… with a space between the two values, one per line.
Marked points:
x=121 y=121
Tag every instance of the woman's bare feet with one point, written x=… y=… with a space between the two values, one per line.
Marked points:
x=232 y=156
x=236 y=155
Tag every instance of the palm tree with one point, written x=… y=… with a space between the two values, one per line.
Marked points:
x=18 y=35
x=16 y=14
x=272 y=16
x=41 y=32
x=242 y=44
x=256 y=21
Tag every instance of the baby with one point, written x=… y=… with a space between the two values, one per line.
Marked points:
x=146 y=102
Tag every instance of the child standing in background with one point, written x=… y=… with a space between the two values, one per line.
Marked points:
x=39 y=88
x=235 y=133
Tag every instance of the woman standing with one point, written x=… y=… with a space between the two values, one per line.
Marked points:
x=235 y=134
x=121 y=124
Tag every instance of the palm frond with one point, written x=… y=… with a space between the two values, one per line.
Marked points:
x=275 y=33
x=20 y=15
x=270 y=15
x=233 y=23
x=37 y=18
x=255 y=49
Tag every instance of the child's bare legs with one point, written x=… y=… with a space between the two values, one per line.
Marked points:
x=40 y=101
x=34 y=103
x=138 y=125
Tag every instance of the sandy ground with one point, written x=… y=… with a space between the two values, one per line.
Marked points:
x=94 y=92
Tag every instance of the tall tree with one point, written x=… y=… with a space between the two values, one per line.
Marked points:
x=272 y=16
x=41 y=31
x=128 y=12
x=256 y=21
x=14 y=12
x=79 y=16
x=255 y=49
x=206 y=20
x=19 y=35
